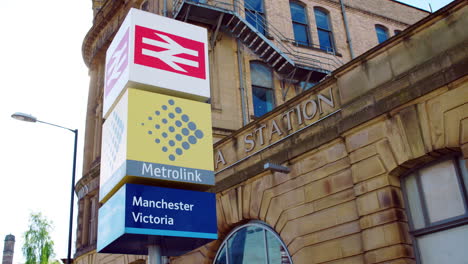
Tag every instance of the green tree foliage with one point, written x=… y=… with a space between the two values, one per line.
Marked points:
x=38 y=247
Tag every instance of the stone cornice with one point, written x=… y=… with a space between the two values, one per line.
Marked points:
x=89 y=182
x=369 y=13
x=105 y=24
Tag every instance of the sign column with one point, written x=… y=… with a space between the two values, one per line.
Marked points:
x=156 y=158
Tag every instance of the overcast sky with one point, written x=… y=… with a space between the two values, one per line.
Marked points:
x=43 y=74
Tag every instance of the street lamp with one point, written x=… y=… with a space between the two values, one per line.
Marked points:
x=30 y=118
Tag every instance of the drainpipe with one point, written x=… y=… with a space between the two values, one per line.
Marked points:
x=165 y=8
x=240 y=64
x=348 y=35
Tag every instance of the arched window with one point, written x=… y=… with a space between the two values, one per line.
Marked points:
x=437 y=204
x=144 y=6
x=300 y=23
x=253 y=243
x=324 y=30
x=255 y=14
x=382 y=33
x=262 y=88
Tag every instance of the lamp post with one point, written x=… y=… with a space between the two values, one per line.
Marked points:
x=30 y=118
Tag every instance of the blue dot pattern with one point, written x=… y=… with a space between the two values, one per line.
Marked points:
x=192 y=126
x=185 y=145
x=172 y=130
x=117 y=127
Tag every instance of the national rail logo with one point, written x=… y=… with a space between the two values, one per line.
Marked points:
x=117 y=63
x=169 y=52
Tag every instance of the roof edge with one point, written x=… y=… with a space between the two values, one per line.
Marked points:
x=420 y=9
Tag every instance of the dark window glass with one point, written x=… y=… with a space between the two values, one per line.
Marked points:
x=325 y=40
x=262 y=88
x=221 y=257
x=247 y=246
x=382 y=33
x=300 y=24
x=306 y=85
x=262 y=100
x=298 y=13
x=255 y=14
x=144 y=6
x=324 y=31
x=321 y=18
x=277 y=254
x=261 y=75
x=464 y=171
x=301 y=34
x=256 y=5
x=253 y=243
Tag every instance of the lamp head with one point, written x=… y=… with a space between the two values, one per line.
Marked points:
x=24 y=117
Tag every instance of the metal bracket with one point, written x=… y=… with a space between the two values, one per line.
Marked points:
x=215 y=34
x=276 y=167
x=286 y=83
x=187 y=13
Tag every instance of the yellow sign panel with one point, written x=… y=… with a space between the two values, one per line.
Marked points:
x=156 y=137
x=169 y=130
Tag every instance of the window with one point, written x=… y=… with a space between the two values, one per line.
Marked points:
x=93 y=217
x=144 y=6
x=382 y=33
x=306 y=85
x=324 y=30
x=262 y=88
x=437 y=201
x=300 y=24
x=253 y=243
x=255 y=14
x=397 y=32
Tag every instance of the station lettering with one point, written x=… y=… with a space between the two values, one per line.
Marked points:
x=283 y=124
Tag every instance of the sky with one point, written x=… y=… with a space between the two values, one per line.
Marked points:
x=43 y=74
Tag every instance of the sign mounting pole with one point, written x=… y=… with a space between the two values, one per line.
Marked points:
x=154 y=254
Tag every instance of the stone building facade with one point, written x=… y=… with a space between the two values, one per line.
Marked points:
x=339 y=165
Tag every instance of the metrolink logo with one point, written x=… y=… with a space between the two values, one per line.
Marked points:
x=117 y=63
x=172 y=130
x=161 y=50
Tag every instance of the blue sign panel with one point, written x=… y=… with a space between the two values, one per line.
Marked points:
x=138 y=215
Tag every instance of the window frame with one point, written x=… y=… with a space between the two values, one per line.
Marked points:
x=253 y=86
x=305 y=25
x=328 y=31
x=385 y=29
x=438 y=226
x=144 y=5
x=250 y=10
x=254 y=223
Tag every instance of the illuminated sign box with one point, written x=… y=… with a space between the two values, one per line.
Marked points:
x=156 y=138
x=178 y=220
x=157 y=54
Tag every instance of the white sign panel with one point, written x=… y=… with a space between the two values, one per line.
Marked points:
x=157 y=54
